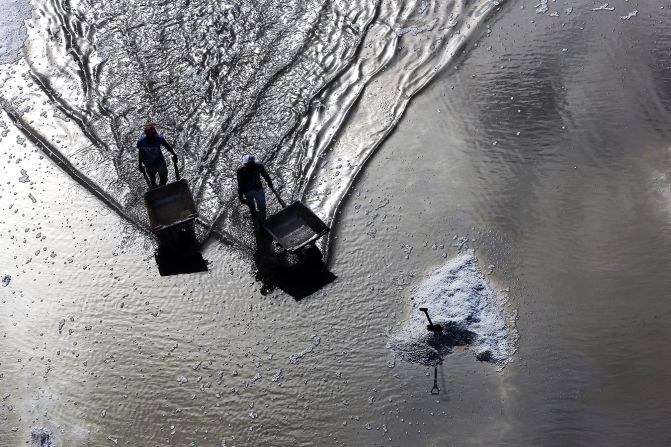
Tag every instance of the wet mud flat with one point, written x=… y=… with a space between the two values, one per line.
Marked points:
x=541 y=160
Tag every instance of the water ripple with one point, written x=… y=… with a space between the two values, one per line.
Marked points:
x=311 y=87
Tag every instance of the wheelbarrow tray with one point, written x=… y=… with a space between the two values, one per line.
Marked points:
x=170 y=205
x=295 y=227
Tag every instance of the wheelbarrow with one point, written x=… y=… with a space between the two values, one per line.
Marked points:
x=172 y=213
x=296 y=229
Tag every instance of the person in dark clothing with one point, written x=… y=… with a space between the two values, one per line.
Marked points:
x=250 y=189
x=151 y=156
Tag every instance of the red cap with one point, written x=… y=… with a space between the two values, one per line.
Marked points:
x=149 y=129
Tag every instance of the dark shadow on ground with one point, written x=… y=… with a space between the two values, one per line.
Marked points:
x=297 y=275
x=170 y=263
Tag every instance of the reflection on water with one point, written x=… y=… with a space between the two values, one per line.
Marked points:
x=549 y=163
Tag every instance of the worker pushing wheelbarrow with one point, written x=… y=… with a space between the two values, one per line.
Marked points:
x=295 y=228
x=170 y=206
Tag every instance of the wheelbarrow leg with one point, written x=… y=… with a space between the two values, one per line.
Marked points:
x=312 y=255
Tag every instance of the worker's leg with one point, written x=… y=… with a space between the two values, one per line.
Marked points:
x=260 y=197
x=151 y=173
x=163 y=174
x=249 y=198
x=261 y=202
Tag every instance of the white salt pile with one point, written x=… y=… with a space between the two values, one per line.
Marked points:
x=460 y=299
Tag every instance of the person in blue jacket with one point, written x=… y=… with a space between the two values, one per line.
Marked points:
x=250 y=189
x=150 y=155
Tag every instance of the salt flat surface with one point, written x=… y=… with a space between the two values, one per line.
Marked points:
x=12 y=29
x=459 y=298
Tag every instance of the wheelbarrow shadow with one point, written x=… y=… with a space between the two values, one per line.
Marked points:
x=297 y=276
x=172 y=213
x=178 y=251
x=169 y=263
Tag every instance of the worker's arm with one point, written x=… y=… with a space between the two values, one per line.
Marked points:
x=265 y=175
x=241 y=196
x=140 y=157
x=169 y=148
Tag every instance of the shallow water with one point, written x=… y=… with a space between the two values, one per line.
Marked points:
x=572 y=213
x=310 y=87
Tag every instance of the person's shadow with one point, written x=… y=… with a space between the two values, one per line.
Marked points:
x=298 y=275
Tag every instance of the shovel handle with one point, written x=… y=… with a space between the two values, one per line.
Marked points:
x=435 y=390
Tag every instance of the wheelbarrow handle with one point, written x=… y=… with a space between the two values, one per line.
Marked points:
x=279 y=199
x=177 y=177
